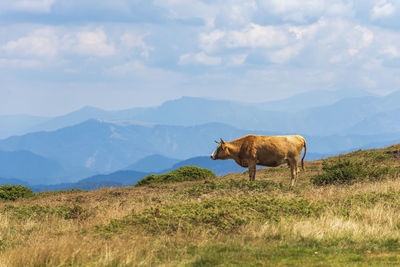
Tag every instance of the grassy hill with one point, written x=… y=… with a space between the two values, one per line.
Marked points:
x=222 y=221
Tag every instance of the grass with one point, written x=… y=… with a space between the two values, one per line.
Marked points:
x=226 y=221
x=187 y=173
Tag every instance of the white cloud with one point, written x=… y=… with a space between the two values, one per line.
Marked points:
x=251 y=36
x=42 y=42
x=391 y=51
x=34 y=6
x=187 y=9
x=301 y=11
x=236 y=60
x=93 y=43
x=48 y=42
x=199 y=58
x=285 y=54
x=382 y=9
x=255 y=36
x=209 y=41
x=133 y=41
x=357 y=41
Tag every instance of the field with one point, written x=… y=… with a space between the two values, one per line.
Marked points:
x=221 y=221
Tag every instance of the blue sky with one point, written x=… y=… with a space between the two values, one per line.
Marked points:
x=59 y=55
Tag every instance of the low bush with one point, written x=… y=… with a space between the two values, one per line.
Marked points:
x=220 y=215
x=13 y=192
x=243 y=185
x=348 y=172
x=60 y=192
x=38 y=212
x=187 y=173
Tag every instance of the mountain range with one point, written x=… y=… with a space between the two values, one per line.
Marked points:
x=92 y=141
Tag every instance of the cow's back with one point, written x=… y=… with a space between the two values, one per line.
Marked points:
x=271 y=150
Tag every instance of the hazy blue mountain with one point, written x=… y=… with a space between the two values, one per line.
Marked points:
x=378 y=123
x=98 y=147
x=115 y=179
x=78 y=185
x=18 y=124
x=311 y=99
x=95 y=147
x=195 y=111
x=152 y=163
x=124 y=177
x=30 y=167
x=336 y=118
x=220 y=167
x=6 y=181
x=85 y=114
x=314 y=113
x=343 y=116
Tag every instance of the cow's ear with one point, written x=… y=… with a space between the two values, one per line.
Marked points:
x=222 y=141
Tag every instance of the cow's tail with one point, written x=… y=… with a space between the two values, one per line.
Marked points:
x=305 y=151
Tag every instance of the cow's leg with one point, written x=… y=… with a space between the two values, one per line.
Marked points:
x=252 y=171
x=293 y=172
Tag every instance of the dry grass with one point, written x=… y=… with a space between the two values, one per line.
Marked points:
x=353 y=224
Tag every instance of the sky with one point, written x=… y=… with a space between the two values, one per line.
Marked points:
x=59 y=55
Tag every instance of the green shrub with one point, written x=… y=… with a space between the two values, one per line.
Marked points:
x=187 y=173
x=196 y=190
x=348 y=172
x=38 y=212
x=13 y=192
x=59 y=192
x=214 y=216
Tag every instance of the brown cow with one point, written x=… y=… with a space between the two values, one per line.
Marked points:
x=271 y=151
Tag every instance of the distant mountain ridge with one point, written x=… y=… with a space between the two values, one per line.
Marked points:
x=152 y=163
x=18 y=124
x=25 y=165
x=185 y=128
x=300 y=113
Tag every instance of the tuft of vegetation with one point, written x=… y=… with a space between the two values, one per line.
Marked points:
x=243 y=185
x=13 y=192
x=59 y=192
x=349 y=172
x=228 y=221
x=38 y=212
x=221 y=215
x=187 y=173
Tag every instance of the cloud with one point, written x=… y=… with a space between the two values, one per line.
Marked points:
x=382 y=9
x=92 y=43
x=33 y=6
x=49 y=42
x=209 y=41
x=42 y=42
x=188 y=9
x=199 y=58
x=255 y=36
x=303 y=11
x=252 y=36
x=236 y=60
x=134 y=41
x=285 y=54
x=391 y=51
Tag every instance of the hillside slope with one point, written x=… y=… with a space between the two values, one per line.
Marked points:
x=224 y=221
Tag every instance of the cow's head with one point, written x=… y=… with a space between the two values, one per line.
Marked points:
x=221 y=152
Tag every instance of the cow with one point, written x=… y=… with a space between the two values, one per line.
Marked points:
x=271 y=151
